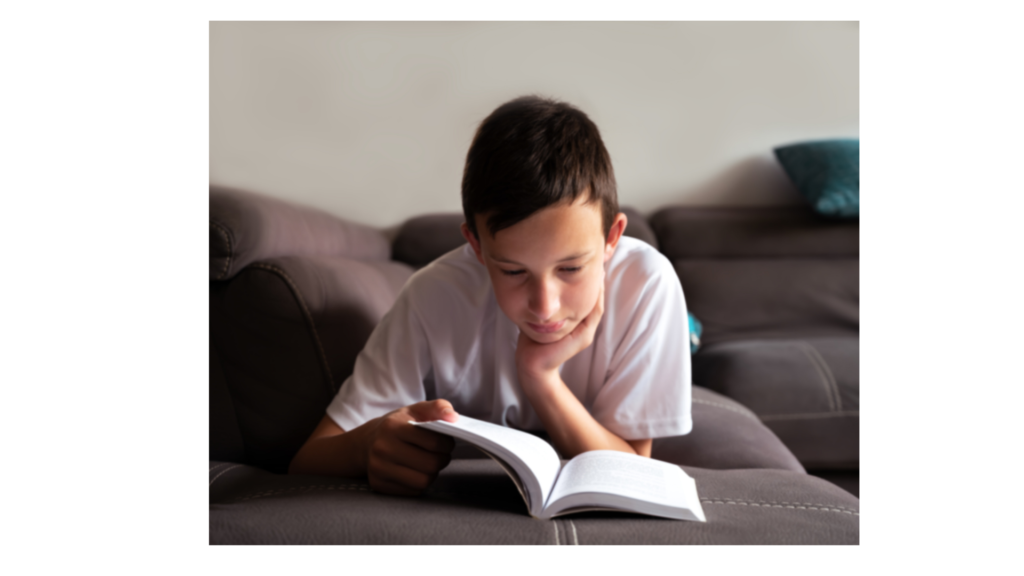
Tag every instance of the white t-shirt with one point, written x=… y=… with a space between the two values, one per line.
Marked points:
x=447 y=338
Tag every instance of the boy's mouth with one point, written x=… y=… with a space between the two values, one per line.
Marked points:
x=547 y=328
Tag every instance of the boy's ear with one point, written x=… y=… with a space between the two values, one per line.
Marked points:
x=614 y=234
x=473 y=241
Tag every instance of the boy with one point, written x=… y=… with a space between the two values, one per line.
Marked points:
x=546 y=319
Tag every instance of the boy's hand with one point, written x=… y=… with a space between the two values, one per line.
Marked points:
x=404 y=459
x=538 y=362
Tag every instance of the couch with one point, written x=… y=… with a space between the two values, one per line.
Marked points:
x=294 y=294
x=778 y=293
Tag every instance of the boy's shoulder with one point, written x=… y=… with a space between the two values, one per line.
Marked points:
x=638 y=261
x=454 y=280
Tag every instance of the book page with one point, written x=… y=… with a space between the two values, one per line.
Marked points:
x=624 y=477
x=533 y=459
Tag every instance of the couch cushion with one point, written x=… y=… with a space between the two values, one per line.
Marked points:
x=422 y=239
x=475 y=502
x=726 y=435
x=764 y=272
x=247 y=227
x=783 y=232
x=741 y=299
x=286 y=332
x=806 y=390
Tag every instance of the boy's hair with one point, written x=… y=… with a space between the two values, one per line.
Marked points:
x=532 y=153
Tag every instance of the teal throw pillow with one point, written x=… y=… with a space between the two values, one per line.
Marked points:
x=695 y=329
x=827 y=173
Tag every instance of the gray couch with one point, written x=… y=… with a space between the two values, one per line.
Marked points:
x=294 y=294
x=778 y=292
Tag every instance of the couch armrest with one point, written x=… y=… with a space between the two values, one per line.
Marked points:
x=285 y=333
x=247 y=227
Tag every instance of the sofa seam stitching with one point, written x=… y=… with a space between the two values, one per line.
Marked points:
x=829 y=392
x=222 y=472
x=798 y=416
x=821 y=507
x=309 y=318
x=717 y=500
x=831 y=377
x=218 y=465
x=224 y=231
x=837 y=506
x=310 y=488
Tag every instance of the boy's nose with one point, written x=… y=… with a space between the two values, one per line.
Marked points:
x=543 y=300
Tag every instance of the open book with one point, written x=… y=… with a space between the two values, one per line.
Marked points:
x=596 y=480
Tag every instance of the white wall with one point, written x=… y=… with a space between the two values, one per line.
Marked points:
x=371 y=120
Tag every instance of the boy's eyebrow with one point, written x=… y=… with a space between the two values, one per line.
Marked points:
x=566 y=259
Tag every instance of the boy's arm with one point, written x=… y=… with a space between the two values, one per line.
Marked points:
x=388 y=376
x=571 y=427
x=396 y=457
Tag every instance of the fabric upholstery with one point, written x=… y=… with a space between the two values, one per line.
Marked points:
x=806 y=390
x=752 y=273
x=475 y=502
x=778 y=293
x=286 y=332
x=747 y=299
x=725 y=435
x=422 y=239
x=785 y=232
x=848 y=480
x=247 y=227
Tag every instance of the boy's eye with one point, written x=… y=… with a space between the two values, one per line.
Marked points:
x=570 y=270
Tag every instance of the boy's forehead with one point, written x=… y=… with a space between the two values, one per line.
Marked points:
x=554 y=233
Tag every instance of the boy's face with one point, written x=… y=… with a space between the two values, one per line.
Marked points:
x=547 y=270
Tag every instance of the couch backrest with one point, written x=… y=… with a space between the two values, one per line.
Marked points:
x=247 y=227
x=764 y=272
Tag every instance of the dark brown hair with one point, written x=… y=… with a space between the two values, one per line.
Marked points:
x=531 y=153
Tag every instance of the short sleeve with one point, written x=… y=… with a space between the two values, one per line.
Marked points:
x=646 y=393
x=389 y=372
